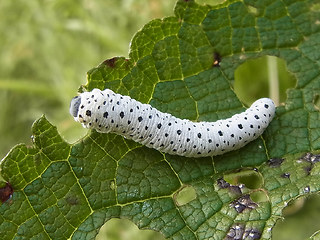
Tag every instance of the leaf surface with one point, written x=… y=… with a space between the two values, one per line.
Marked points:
x=65 y=191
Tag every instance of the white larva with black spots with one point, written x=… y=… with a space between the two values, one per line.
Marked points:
x=108 y=112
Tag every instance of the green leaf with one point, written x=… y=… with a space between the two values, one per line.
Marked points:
x=65 y=191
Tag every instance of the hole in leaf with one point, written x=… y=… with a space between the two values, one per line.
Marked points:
x=316 y=102
x=259 y=196
x=301 y=219
x=263 y=77
x=125 y=229
x=250 y=178
x=315 y=7
x=185 y=195
x=210 y=2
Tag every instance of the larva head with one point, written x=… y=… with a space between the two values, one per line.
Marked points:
x=85 y=108
x=74 y=106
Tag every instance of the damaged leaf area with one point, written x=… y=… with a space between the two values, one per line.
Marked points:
x=183 y=65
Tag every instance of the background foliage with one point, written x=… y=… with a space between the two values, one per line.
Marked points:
x=49 y=45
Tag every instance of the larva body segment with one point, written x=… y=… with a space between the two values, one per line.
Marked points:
x=108 y=112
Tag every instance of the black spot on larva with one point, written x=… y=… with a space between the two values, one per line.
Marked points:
x=240 y=126
x=150 y=116
x=259 y=127
x=179 y=132
x=166 y=134
x=118 y=103
x=251 y=126
x=129 y=122
x=198 y=153
x=104 y=103
x=96 y=119
x=256 y=117
x=245 y=118
x=217 y=144
x=210 y=140
x=194 y=146
x=131 y=110
x=121 y=114
x=266 y=106
x=199 y=135
x=220 y=133
x=275 y=162
x=146 y=127
x=174 y=150
x=171 y=142
x=188 y=139
x=82 y=107
x=285 y=175
x=189 y=129
x=105 y=114
x=228 y=125
x=88 y=113
x=113 y=108
x=232 y=135
x=98 y=107
x=159 y=125
x=162 y=145
x=112 y=121
x=169 y=124
x=140 y=119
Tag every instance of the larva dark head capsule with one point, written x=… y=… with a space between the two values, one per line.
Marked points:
x=74 y=106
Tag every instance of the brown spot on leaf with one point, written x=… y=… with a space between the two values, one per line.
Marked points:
x=275 y=162
x=222 y=183
x=6 y=192
x=285 y=175
x=236 y=231
x=111 y=62
x=243 y=203
x=216 y=59
x=72 y=200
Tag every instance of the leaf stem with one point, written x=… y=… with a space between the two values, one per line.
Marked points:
x=273 y=79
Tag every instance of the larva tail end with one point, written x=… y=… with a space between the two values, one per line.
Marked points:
x=74 y=106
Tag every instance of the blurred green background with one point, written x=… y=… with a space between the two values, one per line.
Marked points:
x=47 y=46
